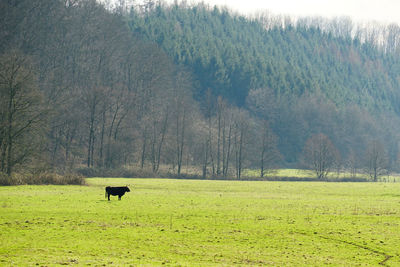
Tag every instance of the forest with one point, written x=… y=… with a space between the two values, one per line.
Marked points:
x=185 y=90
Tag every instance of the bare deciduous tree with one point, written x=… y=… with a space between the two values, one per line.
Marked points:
x=269 y=154
x=352 y=163
x=21 y=108
x=240 y=139
x=208 y=156
x=182 y=107
x=376 y=160
x=320 y=155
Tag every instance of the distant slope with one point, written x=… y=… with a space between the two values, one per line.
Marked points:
x=231 y=54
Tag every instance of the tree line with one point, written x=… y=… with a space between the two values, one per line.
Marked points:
x=85 y=87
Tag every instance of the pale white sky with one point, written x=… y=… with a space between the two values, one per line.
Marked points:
x=383 y=11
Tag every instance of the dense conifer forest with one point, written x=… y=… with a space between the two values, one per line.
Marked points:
x=232 y=54
x=178 y=89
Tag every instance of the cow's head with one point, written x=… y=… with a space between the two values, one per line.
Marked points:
x=127 y=189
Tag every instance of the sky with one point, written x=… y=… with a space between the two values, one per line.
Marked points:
x=382 y=11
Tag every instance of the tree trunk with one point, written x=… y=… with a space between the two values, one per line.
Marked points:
x=218 y=142
x=101 y=155
x=143 y=156
x=180 y=140
x=205 y=159
x=225 y=173
x=10 y=129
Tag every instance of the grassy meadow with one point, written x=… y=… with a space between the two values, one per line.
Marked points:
x=301 y=173
x=201 y=223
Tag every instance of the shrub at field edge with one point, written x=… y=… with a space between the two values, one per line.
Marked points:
x=41 y=179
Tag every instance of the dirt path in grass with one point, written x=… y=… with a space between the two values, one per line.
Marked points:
x=387 y=257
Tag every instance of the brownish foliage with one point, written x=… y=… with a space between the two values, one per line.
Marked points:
x=42 y=178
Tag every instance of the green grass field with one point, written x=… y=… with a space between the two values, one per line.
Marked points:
x=300 y=173
x=201 y=223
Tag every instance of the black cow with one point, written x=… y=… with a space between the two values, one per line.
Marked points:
x=116 y=191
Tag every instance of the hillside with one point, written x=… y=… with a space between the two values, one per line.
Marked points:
x=232 y=54
x=176 y=89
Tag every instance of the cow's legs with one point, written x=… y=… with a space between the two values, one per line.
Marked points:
x=108 y=197
x=119 y=197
